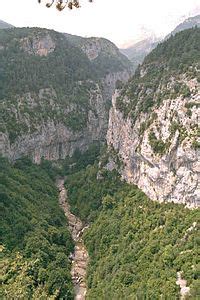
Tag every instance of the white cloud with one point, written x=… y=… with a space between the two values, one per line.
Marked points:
x=117 y=20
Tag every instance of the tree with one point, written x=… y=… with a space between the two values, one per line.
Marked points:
x=61 y=4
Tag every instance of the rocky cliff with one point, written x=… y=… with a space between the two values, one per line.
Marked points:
x=53 y=100
x=154 y=123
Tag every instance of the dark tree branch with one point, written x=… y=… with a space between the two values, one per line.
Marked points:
x=61 y=4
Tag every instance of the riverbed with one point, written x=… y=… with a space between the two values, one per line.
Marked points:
x=80 y=256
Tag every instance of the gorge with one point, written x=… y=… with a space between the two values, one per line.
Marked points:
x=154 y=123
x=50 y=114
x=80 y=255
x=72 y=109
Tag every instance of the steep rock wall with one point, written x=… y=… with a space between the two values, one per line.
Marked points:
x=51 y=137
x=54 y=99
x=160 y=152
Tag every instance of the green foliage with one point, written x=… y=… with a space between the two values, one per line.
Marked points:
x=196 y=144
x=80 y=160
x=137 y=246
x=159 y=77
x=86 y=189
x=108 y=60
x=158 y=146
x=35 y=72
x=35 y=89
x=185 y=91
x=145 y=125
x=192 y=104
x=34 y=234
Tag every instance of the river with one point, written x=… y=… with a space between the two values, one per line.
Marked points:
x=80 y=256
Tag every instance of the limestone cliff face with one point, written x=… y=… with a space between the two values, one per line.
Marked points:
x=41 y=46
x=60 y=102
x=93 y=47
x=51 y=137
x=160 y=151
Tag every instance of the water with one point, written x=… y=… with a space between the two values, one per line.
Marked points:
x=80 y=256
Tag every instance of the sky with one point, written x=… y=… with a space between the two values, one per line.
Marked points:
x=121 y=21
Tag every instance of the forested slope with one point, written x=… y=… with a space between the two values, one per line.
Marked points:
x=52 y=93
x=136 y=246
x=35 y=242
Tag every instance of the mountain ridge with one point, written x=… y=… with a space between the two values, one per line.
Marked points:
x=156 y=116
x=4 y=25
x=137 y=52
x=62 y=100
x=186 y=24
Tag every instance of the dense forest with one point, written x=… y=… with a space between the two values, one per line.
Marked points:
x=35 y=242
x=136 y=246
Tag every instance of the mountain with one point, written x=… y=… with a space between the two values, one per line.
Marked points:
x=53 y=97
x=54 y=104
x=186 y=24
x=4 y=25
x=101 y=52
x=138 y=51
x=153 y=124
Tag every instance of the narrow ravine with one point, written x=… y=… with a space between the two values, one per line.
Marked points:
x=80 y=255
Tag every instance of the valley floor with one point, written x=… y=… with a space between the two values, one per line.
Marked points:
x=80 y=255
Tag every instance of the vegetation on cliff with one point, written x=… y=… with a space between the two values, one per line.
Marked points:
x=86 y=190
x=161 y=76
x=44 y=77
x=136 y=246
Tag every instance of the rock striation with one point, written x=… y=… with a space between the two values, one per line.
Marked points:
x=52 y=139
x=173 y=175
x=154 y=131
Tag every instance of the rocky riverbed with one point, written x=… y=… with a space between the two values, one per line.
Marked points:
x=80 y=255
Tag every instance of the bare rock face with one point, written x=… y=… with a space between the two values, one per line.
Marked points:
x=49 y=136
x=92 y=50
x=160 y=152
x=41 y=45
x=94 y=46
x=53 y=106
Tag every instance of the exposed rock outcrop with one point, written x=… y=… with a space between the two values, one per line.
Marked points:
x=95 y=46
x=168 y=173
x=154 y=122
x=50 y=136
x=41 y=46
x=61 y=103
x=184 y=289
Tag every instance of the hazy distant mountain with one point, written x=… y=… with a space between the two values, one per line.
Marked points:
x=188 y=23
x=5 y=25
x=138 y=51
